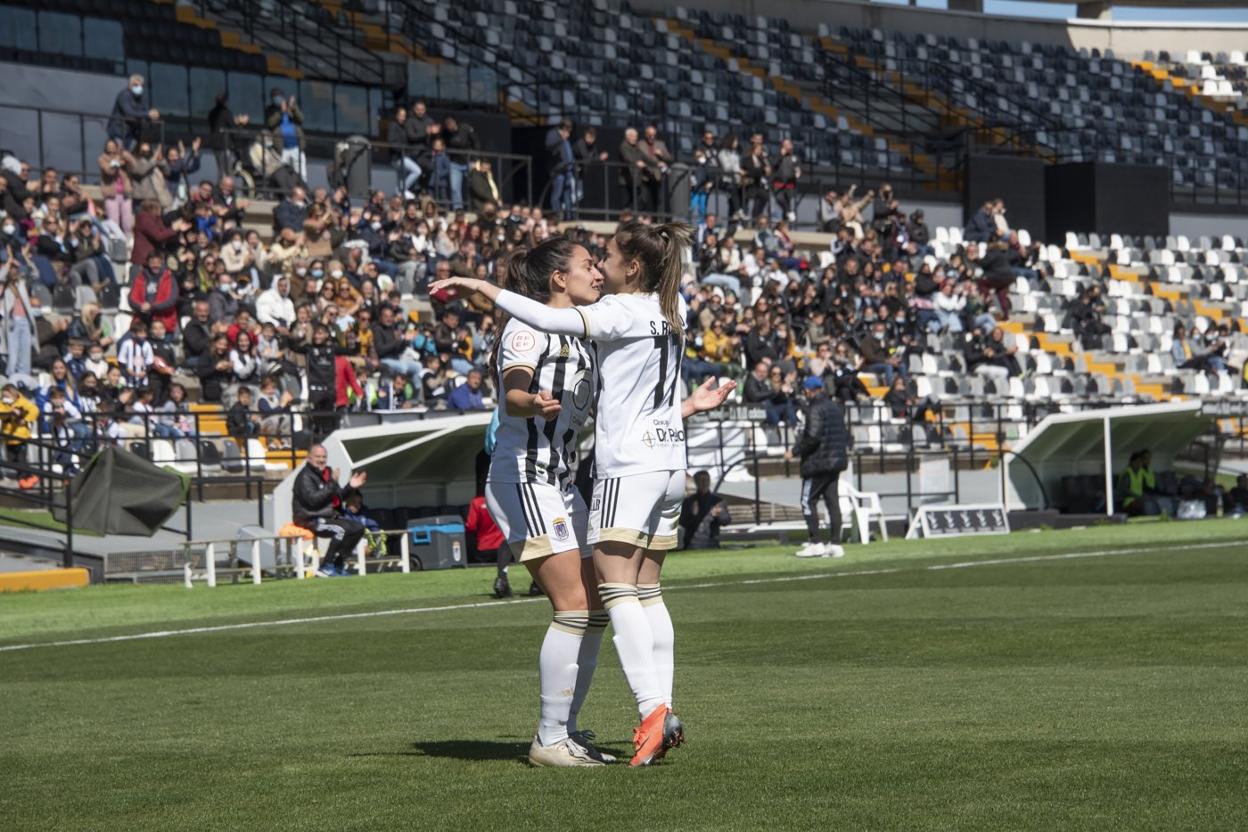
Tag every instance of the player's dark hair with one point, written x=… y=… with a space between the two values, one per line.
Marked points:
x=660 y=249
x=528 y=274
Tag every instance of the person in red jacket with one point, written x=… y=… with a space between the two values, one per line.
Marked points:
x=345 y=382
x=150 y=231
x=154 y=293
x=489 y=542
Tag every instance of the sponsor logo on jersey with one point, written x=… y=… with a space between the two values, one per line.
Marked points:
x=561 y=528
x=596 y=505
x=662 y=436
x=522 y=341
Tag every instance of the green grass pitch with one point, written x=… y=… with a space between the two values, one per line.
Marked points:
x=1080 y=680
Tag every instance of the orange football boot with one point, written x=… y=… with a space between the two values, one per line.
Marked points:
x=648 y=737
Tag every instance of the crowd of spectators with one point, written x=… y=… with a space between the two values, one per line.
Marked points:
x=121 y=310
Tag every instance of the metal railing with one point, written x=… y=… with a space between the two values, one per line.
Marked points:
x=302 y=556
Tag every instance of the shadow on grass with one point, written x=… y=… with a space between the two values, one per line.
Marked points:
x=465 y=750
x=459 y=750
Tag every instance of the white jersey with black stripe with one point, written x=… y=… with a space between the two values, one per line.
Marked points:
x=638 y=425
x=533 y=450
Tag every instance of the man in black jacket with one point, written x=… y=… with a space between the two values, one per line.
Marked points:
x=823 y=447
x=322 y=378
x=316 y=505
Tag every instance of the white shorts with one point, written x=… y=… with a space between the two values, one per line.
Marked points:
x=641 y=509
x=538 y=519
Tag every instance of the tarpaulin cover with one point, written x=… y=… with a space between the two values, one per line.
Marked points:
x=119 y=492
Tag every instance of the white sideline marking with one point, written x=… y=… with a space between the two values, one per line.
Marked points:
x=249 y=625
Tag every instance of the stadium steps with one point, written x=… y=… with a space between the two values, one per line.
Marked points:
x=232 y=39
x=375 y=37
x=814 y=102
x=957 y=115
x=1192 y=88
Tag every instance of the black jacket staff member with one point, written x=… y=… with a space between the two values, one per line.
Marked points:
x=823 y=447
x=317 y=507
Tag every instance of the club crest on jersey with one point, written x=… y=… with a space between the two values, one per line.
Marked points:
x=561 y=528
x=522 y=341
x=564 y=352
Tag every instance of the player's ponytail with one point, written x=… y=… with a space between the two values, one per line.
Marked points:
x=660 y=250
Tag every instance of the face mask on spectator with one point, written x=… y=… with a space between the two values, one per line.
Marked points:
x=10 y=229
x=137 y=89
x=97 y=356
x=238 y=245
x=336 y=274
x=36 y=311
x=318 y=273
x=301 y=271
x=376 y=226
x=226 y=284
x=9 y=400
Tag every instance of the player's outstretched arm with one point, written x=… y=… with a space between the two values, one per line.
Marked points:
x=537 y=315
x=706 y=397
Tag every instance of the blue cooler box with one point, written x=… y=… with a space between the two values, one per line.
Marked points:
x=437 y=542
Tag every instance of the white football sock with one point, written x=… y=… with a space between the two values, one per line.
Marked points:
x=557 y=672
x=586 y=662
x=651 y=596
x=633 y=643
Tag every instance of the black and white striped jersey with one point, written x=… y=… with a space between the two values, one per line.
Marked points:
x=531 y=450
x=638 y=426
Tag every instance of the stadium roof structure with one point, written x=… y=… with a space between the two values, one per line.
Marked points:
x=417 y=462
x=1098 y=443
x=1100 y=8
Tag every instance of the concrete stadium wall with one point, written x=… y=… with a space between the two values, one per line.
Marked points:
x=1127 y=40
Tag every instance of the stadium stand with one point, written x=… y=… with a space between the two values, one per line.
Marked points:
x=936 y=340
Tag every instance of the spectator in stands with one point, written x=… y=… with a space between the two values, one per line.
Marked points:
x=654 y=176
x=154 y=292
x=1083 y=316
x=21 y=334
x=293 y=211
x=227 y=134
x=316 y=506
x=462 y=147
x=982 y=228
x=483 y=190
x=562 y=162
x=633 y=166
x=730 y=176
x=828 y=217
x=756 y=177
x=703 y=514
x=787 y=171
x=115 y=186
x=240 y=422
x=18 y=415
x=587 y=155
x=130 y=110
x=949 y=304
x=149 y=173
x=406 y=167
x=702 y=177
x=285 y=120
x=215 y=370
x=152 y=234
x=997 y=277
x=469 y=395
x=881 y=355
x=987 y=354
